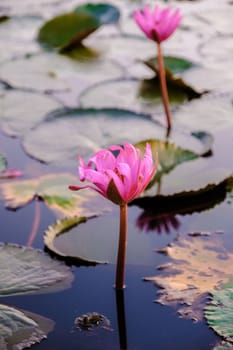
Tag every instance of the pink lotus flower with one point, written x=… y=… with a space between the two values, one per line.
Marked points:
x=119 y=178
x=119 y=174
x=159 y=24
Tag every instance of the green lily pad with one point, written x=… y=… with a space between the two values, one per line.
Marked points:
x=80 y=240
x=20 y=111
x=67 y=30
x=20 y=329
x=53 y=190
x=30 y=272
x=84 y=131
x=174 y=64
x=219 y=311
x=170 y=155
x=49 y=71
x=104 y=13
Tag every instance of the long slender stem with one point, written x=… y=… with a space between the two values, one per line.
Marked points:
x=35 y=225
x=121 y=257
x=163 y=85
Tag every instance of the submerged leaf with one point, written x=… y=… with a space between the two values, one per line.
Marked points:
x=198 y=267
x=67 y=30
x=53 y=190
x=30 y=271
x=21 y=329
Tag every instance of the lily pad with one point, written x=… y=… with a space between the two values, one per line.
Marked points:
x=198 y=266
x=169 y=155
x=49 y=71
x=84 y=131
x=173 y=64
x=30 y=272
x=17 y=37
x=104 y=13
x=125 y=49
x=219 y=311
x=67 y=30
x=20 y=111
x=95 y=240
x=53 y=190
x=212 y=113
x=142 y=96
x=21 y=329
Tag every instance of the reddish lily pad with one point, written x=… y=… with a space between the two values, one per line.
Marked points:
x=198 y=266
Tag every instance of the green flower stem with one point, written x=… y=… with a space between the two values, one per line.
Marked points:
x=163 y=85
x=121 y=257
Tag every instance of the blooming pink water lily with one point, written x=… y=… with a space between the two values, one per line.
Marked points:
x=120 y=178
x=159 y=24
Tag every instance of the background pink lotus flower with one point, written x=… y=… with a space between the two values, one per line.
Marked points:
x=119 y=178
x=158 y=24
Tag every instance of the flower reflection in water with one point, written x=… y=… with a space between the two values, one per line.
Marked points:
x=163 y=222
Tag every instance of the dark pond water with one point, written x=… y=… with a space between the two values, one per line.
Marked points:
x=107 y=72
x=143 y=324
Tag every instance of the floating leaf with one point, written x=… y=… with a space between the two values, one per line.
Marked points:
x=17 y=36
x=53 y=189
x=169 y=155
x=67 y=30
x=49 y=71
x=211 y=113
x=174 y=64
x=104 y=13
x=219 y=311
x=134 y=94
x=78 y=241
x=20 y=110
x=30 y=271
x=198 y=267
x=84 y=131
x=21 y=329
